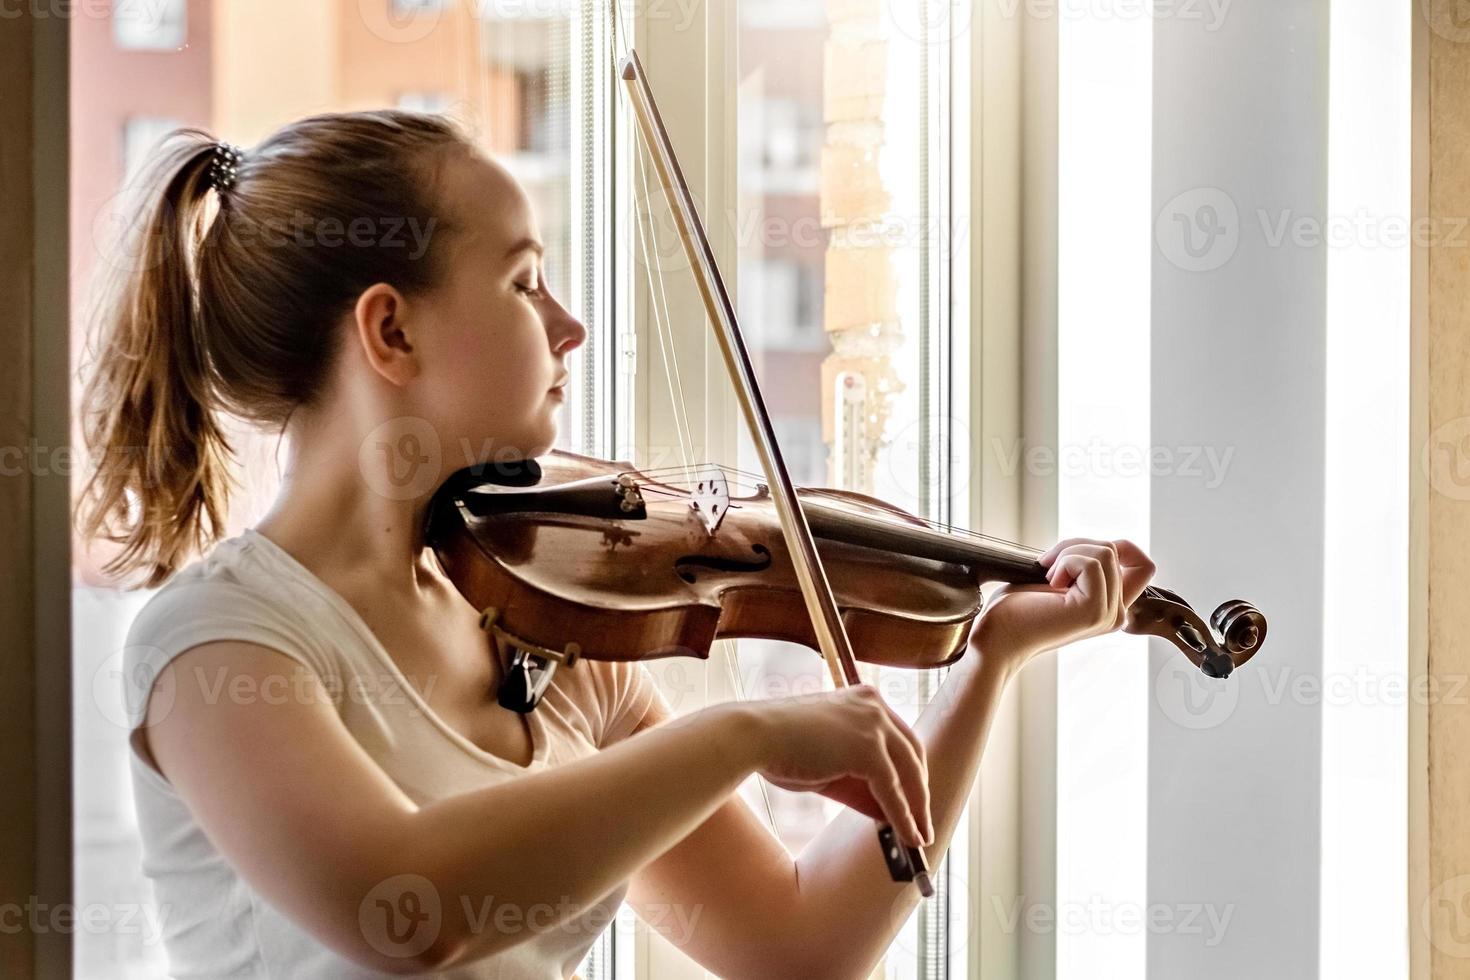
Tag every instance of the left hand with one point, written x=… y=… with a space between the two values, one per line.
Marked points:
x=1091 y=585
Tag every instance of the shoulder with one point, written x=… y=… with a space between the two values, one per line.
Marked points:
x=627 y=694
x=223 y=597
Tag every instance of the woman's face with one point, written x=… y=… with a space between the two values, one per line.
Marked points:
x=494 y=355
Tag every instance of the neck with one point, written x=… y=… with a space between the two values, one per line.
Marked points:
x=339 y=510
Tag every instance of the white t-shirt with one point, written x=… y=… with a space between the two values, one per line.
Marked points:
x=215 y=925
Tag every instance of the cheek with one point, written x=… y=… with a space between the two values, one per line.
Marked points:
x=488 y=380
x=486 y=336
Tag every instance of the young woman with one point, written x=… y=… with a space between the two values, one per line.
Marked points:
x=325 y=784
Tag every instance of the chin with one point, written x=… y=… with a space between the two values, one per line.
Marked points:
x=544 y=445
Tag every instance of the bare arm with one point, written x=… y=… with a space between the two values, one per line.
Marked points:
x=833 y=911
x=312 y=822
x=732 y=897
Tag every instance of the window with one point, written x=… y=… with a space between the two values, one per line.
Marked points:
x=844 y=285
x=531 y=95
x=819 y=158
x=150 y=25
x=839 y=220
x=141 y=135
x=436 y=102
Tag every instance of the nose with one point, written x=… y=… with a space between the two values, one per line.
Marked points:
x=565 y=332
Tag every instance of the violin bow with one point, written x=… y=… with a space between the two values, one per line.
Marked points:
x=904 y=863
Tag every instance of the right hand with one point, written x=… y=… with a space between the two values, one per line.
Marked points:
x=849 y=746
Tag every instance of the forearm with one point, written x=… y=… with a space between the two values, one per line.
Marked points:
x=546 y=846
x=849 y=905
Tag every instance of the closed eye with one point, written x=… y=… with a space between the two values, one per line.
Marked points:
x=533 y=292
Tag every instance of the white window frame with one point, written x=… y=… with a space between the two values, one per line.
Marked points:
x=700 y=114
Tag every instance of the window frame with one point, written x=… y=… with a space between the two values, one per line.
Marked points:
x=36 y=756
x=1000 y=298
x=700 y=114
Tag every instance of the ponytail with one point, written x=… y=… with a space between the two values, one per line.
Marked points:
x=216 y=309
x=158 y=486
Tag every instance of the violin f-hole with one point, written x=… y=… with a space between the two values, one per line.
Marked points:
x=685 y=567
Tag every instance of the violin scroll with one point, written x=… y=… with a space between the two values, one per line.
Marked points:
x=1235 y=632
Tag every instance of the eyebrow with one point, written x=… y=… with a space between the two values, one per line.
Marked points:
x=526 y=244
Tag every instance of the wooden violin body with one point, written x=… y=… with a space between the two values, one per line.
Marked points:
x=570 y=556
x=562 y=562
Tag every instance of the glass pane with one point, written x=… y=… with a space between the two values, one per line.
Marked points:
x=842 y=231
x=530 y=80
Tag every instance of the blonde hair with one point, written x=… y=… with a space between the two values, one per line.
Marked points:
x=237 y=313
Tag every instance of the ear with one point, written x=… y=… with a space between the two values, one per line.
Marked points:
x=381 y=319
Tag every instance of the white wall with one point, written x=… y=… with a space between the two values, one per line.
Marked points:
x=1239 y=360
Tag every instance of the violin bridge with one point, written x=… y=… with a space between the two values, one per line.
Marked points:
x=709 y=497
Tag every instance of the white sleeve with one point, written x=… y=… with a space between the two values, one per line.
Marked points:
x=628 y=691
x=186 y=614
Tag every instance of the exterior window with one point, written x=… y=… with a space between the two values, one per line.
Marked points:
x=516 y=94
x=435 y=102
x=842 y=282
x=141 y=135
x=150 y=25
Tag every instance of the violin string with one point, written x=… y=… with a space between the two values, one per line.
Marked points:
x=681 y=418
x=657 y=296
x=959 y=532
x=662 y=322
x=878 y=512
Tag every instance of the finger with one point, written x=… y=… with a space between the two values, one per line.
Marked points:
x=910 y=758
x=1086 y=586
x=853 y=792
x=1138 y=570
x=887 y=787
x=1051 y=553
x=1112 y=576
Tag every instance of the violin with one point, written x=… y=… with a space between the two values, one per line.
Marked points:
x=570 y=557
